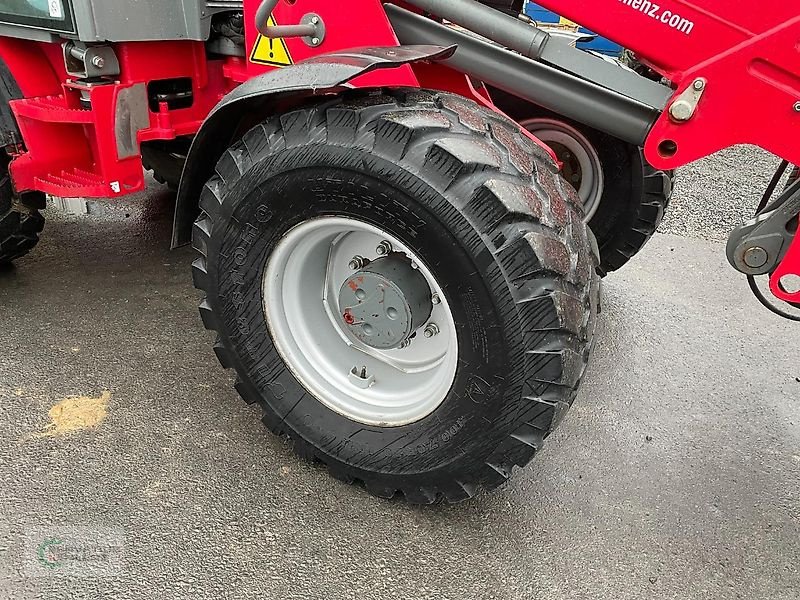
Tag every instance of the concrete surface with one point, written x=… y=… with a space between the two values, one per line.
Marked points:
x=718 y=193
x=676 y=475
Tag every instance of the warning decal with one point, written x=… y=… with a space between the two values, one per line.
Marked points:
x=268 y=51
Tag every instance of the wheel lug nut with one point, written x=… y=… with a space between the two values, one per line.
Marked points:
x=384 y=248
x=435 y=299
x=357 y=262
x=431 y=330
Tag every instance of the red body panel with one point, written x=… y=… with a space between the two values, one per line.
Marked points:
x=750 y=58
x=84 y=162
x=357 y=24
x=33 y=70
x=790 y=265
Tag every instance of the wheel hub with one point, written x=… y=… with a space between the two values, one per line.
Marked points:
x=582 y=166
x=385 y=302
x=307 y=293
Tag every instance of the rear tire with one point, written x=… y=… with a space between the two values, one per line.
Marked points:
x=490 y=219
x=634 y=195
x=20 y=219
x=634 y=205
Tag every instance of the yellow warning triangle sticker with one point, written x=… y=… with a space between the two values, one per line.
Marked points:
x=268 y=51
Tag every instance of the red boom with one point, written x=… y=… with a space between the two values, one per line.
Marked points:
x=750 y=60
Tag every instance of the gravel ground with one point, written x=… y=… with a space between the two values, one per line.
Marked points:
x=675 y=475
x=716 y=194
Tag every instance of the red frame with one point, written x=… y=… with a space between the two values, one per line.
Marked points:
x=734 y=50
x=84 y=162
x=749 y=58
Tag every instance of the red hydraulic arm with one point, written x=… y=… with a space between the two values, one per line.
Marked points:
x=736 y=72
x=747 y=59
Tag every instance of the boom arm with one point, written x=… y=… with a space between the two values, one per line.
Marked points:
x=725 y=48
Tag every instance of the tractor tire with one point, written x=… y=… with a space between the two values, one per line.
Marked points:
x=636 y=198
x=628 y=198
x=166 y=159
x=20 y=219
x=481 y=232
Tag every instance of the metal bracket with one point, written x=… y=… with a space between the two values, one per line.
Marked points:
x=685 y=105
x=316 y=21
x=311 y=28
x=87 y=62
x=757 y=247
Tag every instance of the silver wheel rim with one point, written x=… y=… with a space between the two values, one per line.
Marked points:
x=301 y=295
x=576 y=152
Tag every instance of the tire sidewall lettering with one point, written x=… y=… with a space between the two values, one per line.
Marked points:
x=255 y=228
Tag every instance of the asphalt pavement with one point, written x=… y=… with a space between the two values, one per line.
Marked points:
x=675 y=475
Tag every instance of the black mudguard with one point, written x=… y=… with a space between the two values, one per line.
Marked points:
x=323 y=74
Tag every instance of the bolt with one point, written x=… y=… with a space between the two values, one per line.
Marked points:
x=404 y=344
x=98 y=62
x=681 y=110
x=797 y=106
x=357 y=262
x=755 y=257
x=435 y=299
x=414 y=265
x=315 y=41
x=699 y=84
x=314 y=20
x=383 y=248
x=431 y=330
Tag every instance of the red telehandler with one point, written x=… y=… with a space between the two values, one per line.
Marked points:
x=396 y=267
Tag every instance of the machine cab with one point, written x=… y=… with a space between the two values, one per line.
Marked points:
x=100 y=20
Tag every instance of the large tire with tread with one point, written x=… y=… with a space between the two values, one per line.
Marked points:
x=166 y=159
x=635 y=195
x=20 y=219
x=637 y=198
x=492 y=219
